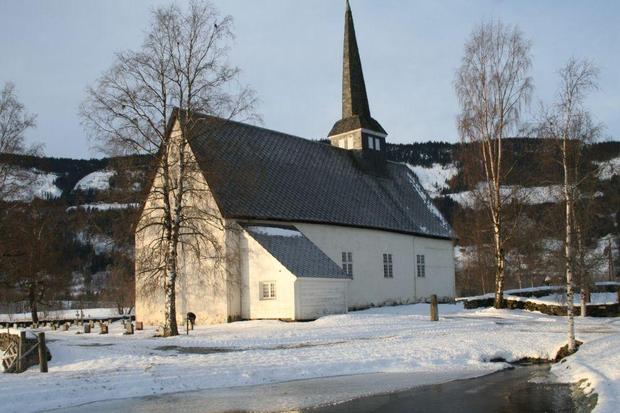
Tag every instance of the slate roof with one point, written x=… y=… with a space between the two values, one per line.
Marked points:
x=296 y=252
x=256 y=173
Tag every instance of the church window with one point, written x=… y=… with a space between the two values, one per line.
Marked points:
x=347 y=263
x=268 y=290
x=342 y=143
x=377 y=144
x=350 y=142
x=388 y=270
x=421 y=266
x=371 y=142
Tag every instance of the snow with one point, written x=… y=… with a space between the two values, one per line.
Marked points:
x=27 y=184
x=560 y=299
x=607 y=169
x=597 y=364
x=103 y=206
x=88 y=313
x=275 y=231
x=532 y=195
x=98 y=181
x=388 y=340
x=415 y=182
x=435 y=178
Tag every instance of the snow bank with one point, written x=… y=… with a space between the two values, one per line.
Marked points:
x=98 y=181
x=597 y=361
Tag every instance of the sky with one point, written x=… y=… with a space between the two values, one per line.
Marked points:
x=290 y=52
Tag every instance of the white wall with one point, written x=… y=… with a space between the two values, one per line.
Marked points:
x=257 y=266
x=204 y=287
x=369 y=287
x=316 y=297
x=439 y=259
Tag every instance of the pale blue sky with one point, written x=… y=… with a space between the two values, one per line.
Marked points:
x=290 y=51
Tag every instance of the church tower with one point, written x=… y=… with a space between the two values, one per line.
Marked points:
x=357 y=130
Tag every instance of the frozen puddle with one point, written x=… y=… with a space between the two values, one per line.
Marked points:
x=520 y=389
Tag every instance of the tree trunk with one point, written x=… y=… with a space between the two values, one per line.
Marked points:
x=581 y=268
x=34 y=313
x=568 y=253
x=499 y=265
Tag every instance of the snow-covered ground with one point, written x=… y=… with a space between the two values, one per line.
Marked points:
x=94 y=313
x=397 y=339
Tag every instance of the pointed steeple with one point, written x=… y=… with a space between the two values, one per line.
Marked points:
x=355 y=108
x=354 y=98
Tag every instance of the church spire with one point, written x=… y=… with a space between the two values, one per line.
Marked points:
x=355 y=108
x=354 y=98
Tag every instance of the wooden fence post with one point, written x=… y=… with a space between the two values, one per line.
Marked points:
x=42 y=352
x=86 y=328
x=21 y=350
x=104 y=328
x=434 y=311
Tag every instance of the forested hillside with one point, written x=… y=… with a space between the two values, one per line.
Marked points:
x=96 y=202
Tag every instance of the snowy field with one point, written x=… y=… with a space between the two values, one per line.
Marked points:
x=392 y=340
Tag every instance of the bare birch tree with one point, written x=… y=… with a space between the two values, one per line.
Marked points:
x=493 y=86
x=14 y=122
x=181 y=64
x=569 y=124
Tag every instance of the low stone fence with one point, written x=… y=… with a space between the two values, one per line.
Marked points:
x=517 y=299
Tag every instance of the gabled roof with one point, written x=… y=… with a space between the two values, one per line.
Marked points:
x=256 y=173
x=294 y=251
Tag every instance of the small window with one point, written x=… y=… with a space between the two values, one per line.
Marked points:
x=378 y=144
x=371 y=142
x=421 y=266
x=350 y=142
x=388 y=269
x=342 y=143
x=347 y=263
x=268 y=290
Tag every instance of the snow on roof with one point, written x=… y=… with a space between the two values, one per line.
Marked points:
x=295 y=252
x=98 y=180
x=275 y=231
x=415 y=182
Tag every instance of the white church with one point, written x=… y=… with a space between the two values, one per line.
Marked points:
x=310 y=228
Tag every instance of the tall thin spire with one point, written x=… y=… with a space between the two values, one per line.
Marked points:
x=354 y=98
x=355 y=108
